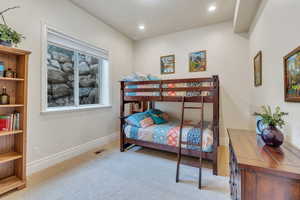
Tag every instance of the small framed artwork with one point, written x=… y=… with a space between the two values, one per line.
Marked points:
x=197 y=61
x=167 y=64
x=292 y=76
x=258 y=69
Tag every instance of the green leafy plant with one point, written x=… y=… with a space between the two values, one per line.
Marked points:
x=7 y=34
x=272 y=119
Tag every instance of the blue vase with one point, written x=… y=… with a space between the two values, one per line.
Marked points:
x=6 y=43
x=260 y=126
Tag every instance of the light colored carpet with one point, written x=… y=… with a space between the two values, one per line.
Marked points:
x=139 y=174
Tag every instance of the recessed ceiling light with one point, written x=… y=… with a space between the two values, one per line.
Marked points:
x=142 y=27
x=212 y=8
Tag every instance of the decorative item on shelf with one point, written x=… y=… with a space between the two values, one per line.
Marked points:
x=167 y=64
x=8 y=36
x=4 y=98
x=198 y=61
x=1 y=69
x=9 y=73
x=258 y=69
x=292 y=76
x=271 y=135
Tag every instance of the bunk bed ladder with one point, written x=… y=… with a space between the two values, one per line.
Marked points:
x=179 y=153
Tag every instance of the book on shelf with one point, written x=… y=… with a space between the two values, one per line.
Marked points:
x=10 y=122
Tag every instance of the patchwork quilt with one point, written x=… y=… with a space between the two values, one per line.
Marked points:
x=168 y=134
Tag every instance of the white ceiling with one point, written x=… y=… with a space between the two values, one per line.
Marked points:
x=245 y=12
x=158 y=16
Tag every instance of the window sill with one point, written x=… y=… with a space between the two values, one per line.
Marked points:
x=75 y=109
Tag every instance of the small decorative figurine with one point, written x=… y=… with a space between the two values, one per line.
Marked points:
x=9 y=73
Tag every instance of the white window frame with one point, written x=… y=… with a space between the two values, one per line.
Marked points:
x=52 y=35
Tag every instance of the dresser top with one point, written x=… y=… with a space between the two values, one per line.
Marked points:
x=251 y=153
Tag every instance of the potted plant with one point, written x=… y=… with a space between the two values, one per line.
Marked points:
x=271 y=135
x=8 y=36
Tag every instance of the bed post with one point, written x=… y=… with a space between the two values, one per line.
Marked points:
x=144 y=106
x=216 y=124
x=151 y=105
x=122 y=107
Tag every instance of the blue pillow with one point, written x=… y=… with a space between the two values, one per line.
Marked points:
x=140 y=120
x=155 y=115
x=157 y=119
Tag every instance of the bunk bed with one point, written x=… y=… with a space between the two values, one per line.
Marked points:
x=194 y=90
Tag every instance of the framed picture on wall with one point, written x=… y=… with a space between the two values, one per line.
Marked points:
x=258 y=69
x=167 y=64
x=197 y=61
x=292 y=76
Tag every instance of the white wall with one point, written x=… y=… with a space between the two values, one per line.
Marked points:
x=276 y=32
x=52 y=133
x=227 y=56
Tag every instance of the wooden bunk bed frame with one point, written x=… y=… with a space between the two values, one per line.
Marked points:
x=213 y=99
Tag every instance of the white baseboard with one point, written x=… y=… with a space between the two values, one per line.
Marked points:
x=51 y=160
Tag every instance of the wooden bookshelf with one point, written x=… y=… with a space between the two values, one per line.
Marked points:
x=11 y=105
x=13 y=142
x=4 y=133
x=10 y=183
x=11 y=79
x=6 y=157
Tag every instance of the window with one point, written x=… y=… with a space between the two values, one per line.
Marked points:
x=75 y=74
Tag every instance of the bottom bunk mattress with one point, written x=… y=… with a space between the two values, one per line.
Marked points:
x=168 y=134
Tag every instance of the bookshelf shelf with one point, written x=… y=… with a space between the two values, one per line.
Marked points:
x=4 y=133
x=11 y=79
x=6 y=157
x=11 y=105
x=13 y=116
x=10 y=183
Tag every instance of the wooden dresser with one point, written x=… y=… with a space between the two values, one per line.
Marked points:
x=260 y=172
